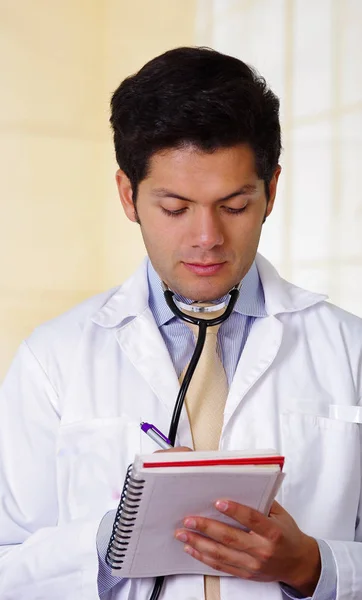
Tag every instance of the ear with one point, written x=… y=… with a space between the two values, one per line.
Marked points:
x=126 y=195
x=273 y=190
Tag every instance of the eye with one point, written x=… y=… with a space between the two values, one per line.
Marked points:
x=173 y=213
x=234 y=211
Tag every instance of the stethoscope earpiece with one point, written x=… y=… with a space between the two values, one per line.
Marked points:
x=179 y=307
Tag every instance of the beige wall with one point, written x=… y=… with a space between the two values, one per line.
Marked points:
x=135 y=35
x=62 y=234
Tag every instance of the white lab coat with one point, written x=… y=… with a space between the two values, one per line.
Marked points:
x=70 y=410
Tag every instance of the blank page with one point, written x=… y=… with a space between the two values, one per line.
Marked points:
x=170 y=495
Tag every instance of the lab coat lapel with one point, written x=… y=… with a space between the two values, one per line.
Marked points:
x=143 y=344
x=266 y=334
x=260 y=350
x=128 y=313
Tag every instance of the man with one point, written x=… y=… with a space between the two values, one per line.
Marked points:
x=197 y=141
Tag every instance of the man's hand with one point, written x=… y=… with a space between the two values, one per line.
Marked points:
x=274 y=548
x=175 y=449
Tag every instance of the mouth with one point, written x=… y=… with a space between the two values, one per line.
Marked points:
x=206 y=269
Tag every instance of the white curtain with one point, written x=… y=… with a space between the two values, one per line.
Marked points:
x=310 y=53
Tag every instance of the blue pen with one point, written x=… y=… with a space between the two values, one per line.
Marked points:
x=156 y=435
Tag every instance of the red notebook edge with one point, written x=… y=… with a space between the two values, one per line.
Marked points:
x=213 y=462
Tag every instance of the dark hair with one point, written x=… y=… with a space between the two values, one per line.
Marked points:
x=194 y=96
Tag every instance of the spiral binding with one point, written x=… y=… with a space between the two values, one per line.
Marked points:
x=125 y=520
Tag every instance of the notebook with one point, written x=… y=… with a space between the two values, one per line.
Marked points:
x=161 y=489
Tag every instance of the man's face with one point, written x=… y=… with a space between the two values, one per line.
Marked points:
x=201 y=216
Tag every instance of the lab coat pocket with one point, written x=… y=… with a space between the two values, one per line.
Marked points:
x=323 y=473
x=92 y=459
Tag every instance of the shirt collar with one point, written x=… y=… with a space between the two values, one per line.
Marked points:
x=250 y=301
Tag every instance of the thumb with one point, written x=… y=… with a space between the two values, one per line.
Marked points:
x=175 y=449
x=276 y=510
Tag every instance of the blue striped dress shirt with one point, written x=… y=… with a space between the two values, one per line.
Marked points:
x=180 y=342
x=232 y=334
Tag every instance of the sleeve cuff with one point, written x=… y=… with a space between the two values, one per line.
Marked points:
x=106 y=581
x=327 y=584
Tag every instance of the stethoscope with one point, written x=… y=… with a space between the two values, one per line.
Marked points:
x=177 y=308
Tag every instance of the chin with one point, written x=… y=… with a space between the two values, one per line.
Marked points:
x=206 y=292
x=201 y=289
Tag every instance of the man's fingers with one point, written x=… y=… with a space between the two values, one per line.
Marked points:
x=227 y=535
x=220 y=557
x=249 y=517
x=223 y=568
x=176 y=449
x=218 y=552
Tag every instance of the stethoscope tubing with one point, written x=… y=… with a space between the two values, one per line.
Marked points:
x=202 y=324
x=186 y=382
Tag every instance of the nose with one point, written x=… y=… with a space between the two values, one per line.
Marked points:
x=207 y=230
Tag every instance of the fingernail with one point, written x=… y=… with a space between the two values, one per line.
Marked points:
x=190 y=523
x=182 y=537
x=221 y=505
x=188 y=549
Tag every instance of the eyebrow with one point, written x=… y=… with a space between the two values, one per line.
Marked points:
x=165 y=193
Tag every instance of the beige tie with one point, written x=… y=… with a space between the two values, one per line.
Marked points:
x=205 y=403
